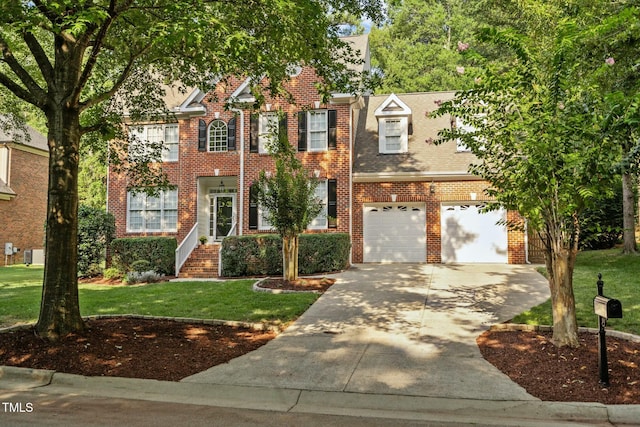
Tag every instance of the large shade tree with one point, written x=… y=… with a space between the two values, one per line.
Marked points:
x=84 y=63
x=536 y=128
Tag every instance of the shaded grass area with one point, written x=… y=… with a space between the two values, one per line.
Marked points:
x=621 y=276
x=21 y=290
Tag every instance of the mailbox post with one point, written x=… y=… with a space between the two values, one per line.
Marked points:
x=605 y=308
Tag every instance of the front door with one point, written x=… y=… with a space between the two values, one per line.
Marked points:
x=221 y=215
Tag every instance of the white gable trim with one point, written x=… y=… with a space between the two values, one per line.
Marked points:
x=188 y=109
x=242 y=93
x=393 y=106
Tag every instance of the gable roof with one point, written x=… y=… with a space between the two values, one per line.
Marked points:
x=424 y=160
x=35 y=140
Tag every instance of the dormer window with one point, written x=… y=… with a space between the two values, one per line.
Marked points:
x=394 y=118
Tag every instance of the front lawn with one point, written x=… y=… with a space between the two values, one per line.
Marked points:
x=21 y=290
x=621 y=276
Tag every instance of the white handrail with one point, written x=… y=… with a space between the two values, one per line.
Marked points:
x=187 y=246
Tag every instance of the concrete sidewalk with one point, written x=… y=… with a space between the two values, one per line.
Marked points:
x=393 y=342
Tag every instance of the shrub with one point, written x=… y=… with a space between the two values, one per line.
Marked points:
x=142 y=277
x=96 y=230
x=259 y=255
x=601 y=225
x=160 y=252
x=252 y=255
x=111 y=273
x=141 y=265
x=323 y=252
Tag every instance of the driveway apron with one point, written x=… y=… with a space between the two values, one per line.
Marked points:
x=403 y=329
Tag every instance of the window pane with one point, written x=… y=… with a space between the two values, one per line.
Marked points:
x=268 y=130
x=170 y=152
x=218 y=136
x=153 y=220
x=170 y=220
x=317 y=130
x=153 y=202
x=136 y=221
x=171 y=199
x=321 y=220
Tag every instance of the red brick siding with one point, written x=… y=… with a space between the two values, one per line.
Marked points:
x=332 y=164
x=24 y=216
x=455 y=191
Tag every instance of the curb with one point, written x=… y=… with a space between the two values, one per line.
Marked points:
x=12 y=378
x=396 y=407
x=544 y=328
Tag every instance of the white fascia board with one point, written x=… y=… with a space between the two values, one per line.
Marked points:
x=413 y=176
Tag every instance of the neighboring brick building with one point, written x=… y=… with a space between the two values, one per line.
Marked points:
x=24 y=172
x=215 y=151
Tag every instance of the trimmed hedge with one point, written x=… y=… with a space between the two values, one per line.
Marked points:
x=261 y=255
x=160 y=252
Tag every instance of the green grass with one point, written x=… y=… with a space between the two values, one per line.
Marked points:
x=21 y=290
x=621 y=276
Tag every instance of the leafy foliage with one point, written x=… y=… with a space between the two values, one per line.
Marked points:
x=158 y=252
x=288 y=196
x=419 y=47
x=537 y=133
x=87 y=65
x=261 y=255
x=96 y=230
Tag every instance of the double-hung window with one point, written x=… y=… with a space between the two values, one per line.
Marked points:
x=152 y=213
x=268 y=130
x=322 y=195
x=318 y=130
x=165 y=136
x=393 y=135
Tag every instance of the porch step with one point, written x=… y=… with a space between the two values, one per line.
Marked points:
x=202 y=264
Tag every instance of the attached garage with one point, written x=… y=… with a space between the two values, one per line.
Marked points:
x=472 y=236
x=394 y=232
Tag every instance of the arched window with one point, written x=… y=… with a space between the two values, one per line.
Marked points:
x=217 y=136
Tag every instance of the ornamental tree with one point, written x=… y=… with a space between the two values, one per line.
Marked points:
x=84 y=64
x=537 y=136
x=287 y=199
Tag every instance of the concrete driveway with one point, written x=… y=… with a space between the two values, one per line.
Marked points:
x=395 y=329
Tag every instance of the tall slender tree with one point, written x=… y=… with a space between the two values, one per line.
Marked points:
x=85 y=63
x=288 y=200
x=538 y=136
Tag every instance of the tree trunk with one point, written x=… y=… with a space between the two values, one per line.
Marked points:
x=628 y=215
x=560 y=263
x=59 y=308
x=290 y=257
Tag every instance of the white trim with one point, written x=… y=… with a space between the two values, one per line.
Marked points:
x=403 y=133
x=239 y=95
x=161 y=210
x=325 y=147
x=392 y=106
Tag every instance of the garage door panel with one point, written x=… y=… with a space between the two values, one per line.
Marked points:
x=394 y=233
x=469 y=235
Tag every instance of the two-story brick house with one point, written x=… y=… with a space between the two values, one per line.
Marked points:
x=216 y=150
x=24 y=172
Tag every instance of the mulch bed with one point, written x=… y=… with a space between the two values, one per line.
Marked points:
x=133 y=348
x=311 y=284
x=565 y=374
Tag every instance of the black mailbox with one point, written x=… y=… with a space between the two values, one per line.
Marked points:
x=608 y=308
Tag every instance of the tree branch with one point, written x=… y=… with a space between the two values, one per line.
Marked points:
x=33 y=91
x=40 y=56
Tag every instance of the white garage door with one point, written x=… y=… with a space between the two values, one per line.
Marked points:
x=471 y=236
x=395 y=232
